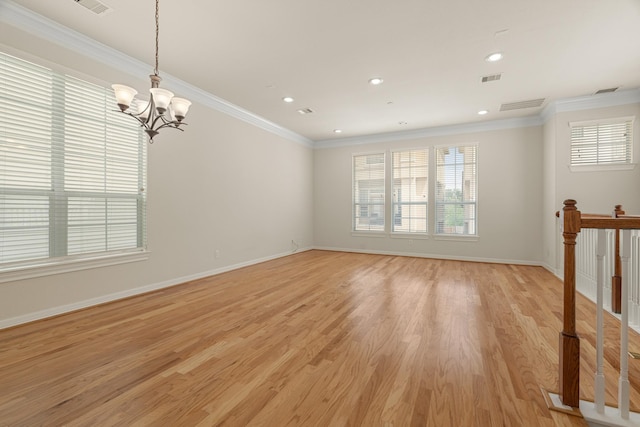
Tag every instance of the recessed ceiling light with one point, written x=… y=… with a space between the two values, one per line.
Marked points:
x=483 y=112
x=494 y=57
x=287 y=99
x=337 y=131
x=376 y=81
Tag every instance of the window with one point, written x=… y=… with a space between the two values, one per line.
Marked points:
x=410 y=191
x=368 y=192
x=601 y=143
x=456 y=190
x=72 y=170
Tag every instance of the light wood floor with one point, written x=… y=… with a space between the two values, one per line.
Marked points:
x=317 y=338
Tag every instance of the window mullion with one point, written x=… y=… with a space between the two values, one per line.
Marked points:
x=58 y=201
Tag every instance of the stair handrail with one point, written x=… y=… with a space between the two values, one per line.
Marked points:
x=569 y=350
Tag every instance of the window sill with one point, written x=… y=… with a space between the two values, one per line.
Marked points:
x=456 y=237
x=416 y=236
x=67 y=265
x=600 y=168
x=369 y=234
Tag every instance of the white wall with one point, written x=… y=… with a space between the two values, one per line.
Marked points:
x=595 y=192
x=509 y=199
x=549 y=202
x=223 y=184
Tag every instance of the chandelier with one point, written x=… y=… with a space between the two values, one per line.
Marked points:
x=162 y=110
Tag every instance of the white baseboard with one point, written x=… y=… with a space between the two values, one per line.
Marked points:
x=55 y=311
x=434 y=256
x=552 y=270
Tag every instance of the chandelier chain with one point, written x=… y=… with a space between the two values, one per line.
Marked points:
x=155 y=70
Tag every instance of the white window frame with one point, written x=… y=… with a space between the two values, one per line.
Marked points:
x=437 y=203
x=604 y=165
x=58 y=260
x=398 y=205
x=357 y=205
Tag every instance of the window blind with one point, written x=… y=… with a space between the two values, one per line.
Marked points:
x=601 y=143
x=410 y=190
x=456 y=190
x=369 y=192
x=72 y=170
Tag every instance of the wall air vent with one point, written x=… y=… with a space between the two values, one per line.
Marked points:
x=522 y=104
x=491 y=78
x=94 y=6
x=611 y=89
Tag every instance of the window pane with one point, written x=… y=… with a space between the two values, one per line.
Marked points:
x=601 y=143
x=72 y=169
x=368 y=192
x=24 y=227
x=456 y=190
x=410 y=191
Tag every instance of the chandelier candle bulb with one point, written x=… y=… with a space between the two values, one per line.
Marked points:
x=161 y=98
x=180 y=106
x=143 y=109
x=124 y=95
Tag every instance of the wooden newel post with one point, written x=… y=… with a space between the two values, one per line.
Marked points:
x=569 y=341
x=616 y=279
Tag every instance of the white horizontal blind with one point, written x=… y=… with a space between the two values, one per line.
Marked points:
x=410 y=190
x=601 y=143
x=456 y=190
x=368 y=192
x=72 y=170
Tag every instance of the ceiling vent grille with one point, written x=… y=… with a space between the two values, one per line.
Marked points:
x=522 y=104
x=305 y=111
x=491 y=78
x=611 y=89
x=94 y=6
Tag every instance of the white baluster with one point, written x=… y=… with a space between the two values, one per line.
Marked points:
x=634 y=279
x=599 y=378
x=623 y=383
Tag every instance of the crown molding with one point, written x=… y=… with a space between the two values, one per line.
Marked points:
x=45 y=28
x=578 y=103
x=457 y=129
x=590 y=102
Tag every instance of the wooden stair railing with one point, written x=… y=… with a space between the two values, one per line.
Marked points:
x=616 y=279
x=569 y=350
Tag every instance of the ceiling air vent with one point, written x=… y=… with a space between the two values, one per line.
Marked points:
x=611 y=89
x=94 y=6
x=491 y=78
x=522 y=104
x=305 y=111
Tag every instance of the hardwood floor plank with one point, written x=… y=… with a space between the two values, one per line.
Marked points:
x=317 y=338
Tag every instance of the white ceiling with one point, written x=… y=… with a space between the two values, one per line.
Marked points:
x=322 y=53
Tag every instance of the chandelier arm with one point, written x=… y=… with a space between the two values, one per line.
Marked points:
x=167 y=124
x=142 y=122
x=170 y=125
x=155 y=120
